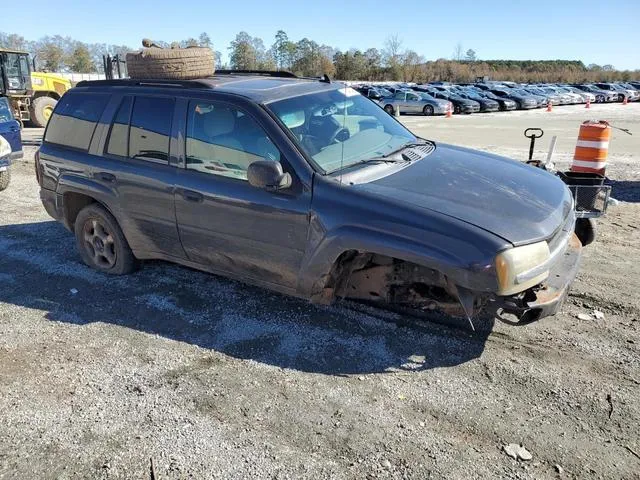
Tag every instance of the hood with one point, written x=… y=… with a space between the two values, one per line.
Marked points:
x=512 y=200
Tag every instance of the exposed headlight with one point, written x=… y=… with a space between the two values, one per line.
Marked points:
x=517 y=268
x=5 y=148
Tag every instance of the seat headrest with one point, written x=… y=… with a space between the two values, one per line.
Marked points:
x=218 y=121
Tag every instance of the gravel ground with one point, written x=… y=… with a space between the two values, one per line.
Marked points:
x=209 y=378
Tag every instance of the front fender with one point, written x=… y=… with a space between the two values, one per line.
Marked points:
x=319 y=260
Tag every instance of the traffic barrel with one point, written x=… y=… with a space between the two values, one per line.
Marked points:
x=549 y=107
x=624 y=100
x=588 y=105
x=592 y=147
x=448 y=114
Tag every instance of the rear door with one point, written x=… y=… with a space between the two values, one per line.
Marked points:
x=224 y=222
x=135 y=165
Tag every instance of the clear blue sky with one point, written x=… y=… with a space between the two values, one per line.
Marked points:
x=602 y=31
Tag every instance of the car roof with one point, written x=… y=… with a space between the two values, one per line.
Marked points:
x=260 y=88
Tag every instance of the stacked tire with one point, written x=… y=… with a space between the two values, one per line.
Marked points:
x=171 y=63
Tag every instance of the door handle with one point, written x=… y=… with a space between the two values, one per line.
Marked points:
x=191 y=196
x=106 y=177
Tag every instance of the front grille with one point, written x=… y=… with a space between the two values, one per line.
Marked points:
x=421 y=151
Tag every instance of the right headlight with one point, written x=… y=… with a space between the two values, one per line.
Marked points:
x=523 y=267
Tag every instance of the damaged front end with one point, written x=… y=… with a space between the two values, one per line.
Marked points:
x=402 y=286
x=415 y=289
x=546 y=299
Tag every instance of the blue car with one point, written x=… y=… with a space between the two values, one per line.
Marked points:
x=10 y=129
x=10 y=142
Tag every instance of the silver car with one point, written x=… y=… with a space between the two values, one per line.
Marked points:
x=414 y=102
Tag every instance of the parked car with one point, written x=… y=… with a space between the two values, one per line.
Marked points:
x=564 y=98
x=460 y=104
x=547 y=96
x=635 y=91
x=574 y=98
x=10 y=141
x=505 y=103
x=304 y=187
x=584 y=96
x=413 y=102
x=374 y=93
x=602 y=96
x=620 y=92
x=523 y=100
x=486 y=104
x=10 y=129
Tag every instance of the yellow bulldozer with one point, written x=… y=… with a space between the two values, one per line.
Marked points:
x=33 y=95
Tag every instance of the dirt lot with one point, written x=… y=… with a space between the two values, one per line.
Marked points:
x=213 y=379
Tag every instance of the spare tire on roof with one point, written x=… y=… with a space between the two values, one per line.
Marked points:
x=171 y=63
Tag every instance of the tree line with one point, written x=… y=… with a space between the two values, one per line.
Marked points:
x=308 y=58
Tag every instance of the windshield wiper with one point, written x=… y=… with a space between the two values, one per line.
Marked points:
x=406 y=145
x=367 y=160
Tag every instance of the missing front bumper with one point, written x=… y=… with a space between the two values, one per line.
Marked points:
x=546 y=299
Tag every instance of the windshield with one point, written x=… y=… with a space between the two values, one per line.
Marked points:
x=426 y=96
x=339 y=128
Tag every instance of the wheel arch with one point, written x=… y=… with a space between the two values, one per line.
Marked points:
x=42 y=93
x=345 y=244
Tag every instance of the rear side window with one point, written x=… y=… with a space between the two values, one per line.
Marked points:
x=151 y=128
x=119 y=134
x=75 y=118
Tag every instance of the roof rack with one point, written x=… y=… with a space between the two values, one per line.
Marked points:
x=266 y=73
x=146 y=82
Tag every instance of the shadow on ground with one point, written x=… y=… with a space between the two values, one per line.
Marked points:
x=39 y=268
x=625 y=190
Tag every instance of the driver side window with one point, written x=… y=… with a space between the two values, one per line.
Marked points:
x=222 y=140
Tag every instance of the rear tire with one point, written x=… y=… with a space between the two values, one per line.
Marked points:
x=457 y=109
x=5 y=178
x=389 y=109
x=101 y=243
x=427 y=110
x=41 y=110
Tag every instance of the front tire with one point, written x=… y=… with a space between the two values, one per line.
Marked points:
x=5 y=178
x=586 y=230
x=427 y=110
x=101 y=243
x=41 y=110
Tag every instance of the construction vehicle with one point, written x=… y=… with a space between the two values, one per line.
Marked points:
x=33 y=95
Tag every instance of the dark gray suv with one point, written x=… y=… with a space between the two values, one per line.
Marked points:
x=306 y=187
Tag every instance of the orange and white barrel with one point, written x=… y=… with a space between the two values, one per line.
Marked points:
x=592 y=148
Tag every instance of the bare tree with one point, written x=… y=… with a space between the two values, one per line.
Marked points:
x=458 y=52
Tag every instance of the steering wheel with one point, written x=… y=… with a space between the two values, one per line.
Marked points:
x=342 y=132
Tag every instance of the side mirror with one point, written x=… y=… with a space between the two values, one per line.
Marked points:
x=268 y=175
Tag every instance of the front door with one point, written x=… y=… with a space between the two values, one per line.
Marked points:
x=224 y=222
x=413 y=102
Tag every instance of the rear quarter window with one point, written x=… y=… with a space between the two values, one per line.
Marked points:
x=75 y=118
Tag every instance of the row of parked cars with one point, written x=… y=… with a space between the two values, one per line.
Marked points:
x=438 y=97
